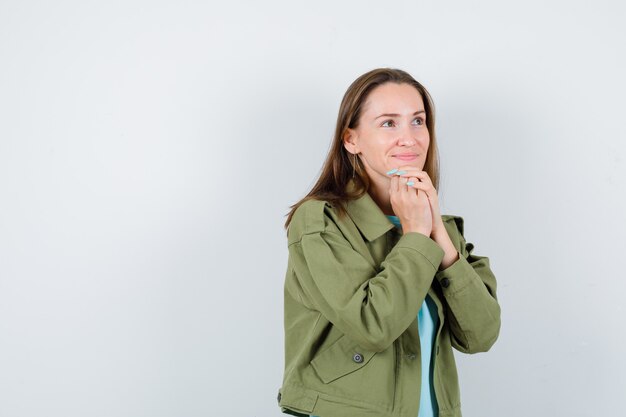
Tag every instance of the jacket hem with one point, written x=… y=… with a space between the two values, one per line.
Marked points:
x=300 y=401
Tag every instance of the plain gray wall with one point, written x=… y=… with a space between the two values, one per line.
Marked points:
x=149 y=151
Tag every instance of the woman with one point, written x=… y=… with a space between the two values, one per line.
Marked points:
x=379 y=285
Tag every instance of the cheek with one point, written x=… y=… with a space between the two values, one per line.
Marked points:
x=378 y=157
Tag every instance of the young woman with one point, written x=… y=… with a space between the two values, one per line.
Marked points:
x=379 y=285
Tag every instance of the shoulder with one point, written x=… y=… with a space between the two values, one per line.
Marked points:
x=453 y=221
x=310 y=217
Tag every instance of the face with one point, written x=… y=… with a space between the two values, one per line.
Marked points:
x=392 y=130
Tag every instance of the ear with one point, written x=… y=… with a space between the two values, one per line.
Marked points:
x=350 y=141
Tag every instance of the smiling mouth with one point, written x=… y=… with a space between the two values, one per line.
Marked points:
x=405 y=157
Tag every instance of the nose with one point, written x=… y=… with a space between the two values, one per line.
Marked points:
x=406 y=140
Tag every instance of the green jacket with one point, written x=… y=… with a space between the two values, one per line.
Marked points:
x=353 y=288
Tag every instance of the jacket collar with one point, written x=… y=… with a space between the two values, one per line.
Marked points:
x=368 y=216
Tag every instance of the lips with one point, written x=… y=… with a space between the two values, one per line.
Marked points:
x=405 y=156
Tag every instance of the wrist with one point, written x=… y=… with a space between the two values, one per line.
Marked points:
x=415 y=230
x=449 y=260
x=439 y=229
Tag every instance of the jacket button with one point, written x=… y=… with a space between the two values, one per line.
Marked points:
x=411 y=356
x=358 y=358
x=445 y=282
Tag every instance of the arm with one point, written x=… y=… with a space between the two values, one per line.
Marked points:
x=469 y=289
x=371 y=307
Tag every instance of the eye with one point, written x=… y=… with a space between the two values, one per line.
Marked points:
x=420 y=119
x=386 y=122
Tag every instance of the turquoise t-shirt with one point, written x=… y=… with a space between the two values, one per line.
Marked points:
x=427 y=323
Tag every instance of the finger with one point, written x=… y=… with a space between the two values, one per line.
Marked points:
x=421 y=185
x=408 y=188
x=408 y=170
x=421 y=175
x=421 y=194
x=409 y=181
x=402 y=185
x=424 y=188
x=393 y=185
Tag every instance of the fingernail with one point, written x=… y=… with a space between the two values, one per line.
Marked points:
x=400 y=172
x=410 y=183
x=392 y=171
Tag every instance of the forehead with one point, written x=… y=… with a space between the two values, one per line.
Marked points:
x=394 y=98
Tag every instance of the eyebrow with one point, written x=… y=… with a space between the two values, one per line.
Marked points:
x=398 y=115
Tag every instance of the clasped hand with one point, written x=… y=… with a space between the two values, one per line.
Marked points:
x=415 y=201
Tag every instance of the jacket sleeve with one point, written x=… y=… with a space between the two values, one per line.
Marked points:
x=473 y=310
x=372 y=307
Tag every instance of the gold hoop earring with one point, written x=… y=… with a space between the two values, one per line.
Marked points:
x=353 y=165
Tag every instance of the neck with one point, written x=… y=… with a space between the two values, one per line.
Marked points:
x=380 y=194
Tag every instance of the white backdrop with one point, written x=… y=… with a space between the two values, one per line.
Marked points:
x=150 y=150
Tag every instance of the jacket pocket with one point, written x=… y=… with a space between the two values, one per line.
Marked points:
x=341 y=358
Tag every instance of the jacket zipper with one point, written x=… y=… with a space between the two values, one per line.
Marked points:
x=396 y=349
x=435 y=358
